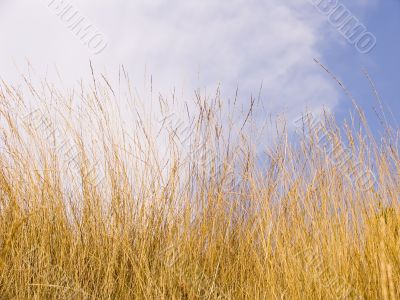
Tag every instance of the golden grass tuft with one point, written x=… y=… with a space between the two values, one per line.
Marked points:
x=95 y=207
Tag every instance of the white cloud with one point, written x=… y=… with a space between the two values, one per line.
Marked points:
x=184 y=44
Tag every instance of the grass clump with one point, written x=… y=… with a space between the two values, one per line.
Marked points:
x=95 y=204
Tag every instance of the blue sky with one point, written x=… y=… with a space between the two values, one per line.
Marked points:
x=185 y=45
x=382 y=63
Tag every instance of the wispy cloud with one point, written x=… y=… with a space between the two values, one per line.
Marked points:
x=184 y=44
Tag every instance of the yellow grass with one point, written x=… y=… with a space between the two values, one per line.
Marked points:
x=140 y=212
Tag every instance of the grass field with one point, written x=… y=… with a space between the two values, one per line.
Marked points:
x=94 y=208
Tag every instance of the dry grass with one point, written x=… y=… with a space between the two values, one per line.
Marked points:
x=94 y=208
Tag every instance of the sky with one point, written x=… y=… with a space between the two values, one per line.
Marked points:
x=382 y=18
x=184 y=45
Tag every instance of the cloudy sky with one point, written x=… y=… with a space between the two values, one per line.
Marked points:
x=189 y=44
